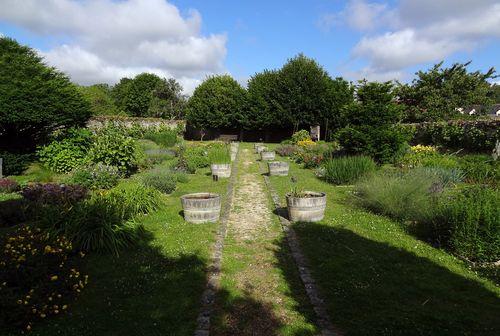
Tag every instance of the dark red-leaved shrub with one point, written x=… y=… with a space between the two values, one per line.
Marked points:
x=8 y=185
x=53 y=193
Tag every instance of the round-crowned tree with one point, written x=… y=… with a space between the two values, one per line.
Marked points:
x=140 y=93
x=219 y=101
x=264 y=106
x=35 y=99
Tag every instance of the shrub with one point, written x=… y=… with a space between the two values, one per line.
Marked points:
x=55 y=194
x=286 y=150
x=192 y=158
x=8 y=185
x=469 y=224
x=471 y=135
x=162 y=137
x=162 y=180
x=65 y=154
x=347 y=169
x=39 y=277
x=114 y=148
x=97 y=176
x=16 y=163
x=157 y=156
x=301 y=135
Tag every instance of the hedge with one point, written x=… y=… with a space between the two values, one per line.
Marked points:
x=470 y=135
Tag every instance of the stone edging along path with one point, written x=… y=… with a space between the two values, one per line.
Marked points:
x=318 y=303
x=214 y=269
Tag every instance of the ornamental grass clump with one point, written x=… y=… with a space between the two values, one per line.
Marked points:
x=164 y=137
x=219 y=155
x=39 y=277
x=347 y=169
x=468 y=223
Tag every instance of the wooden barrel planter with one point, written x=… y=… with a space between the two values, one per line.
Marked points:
x=221 y=170
x=308 y=207
x=267 y=156
x=259 y=148
x=278 y=168
x=201 y=207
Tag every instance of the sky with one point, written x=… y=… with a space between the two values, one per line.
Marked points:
x=101 y=41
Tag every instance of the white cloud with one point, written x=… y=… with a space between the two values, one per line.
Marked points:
x=417 y=31
x=111 y=39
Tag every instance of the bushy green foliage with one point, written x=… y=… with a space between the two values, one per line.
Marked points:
x=160 y=179
x=435 y=93
x=100 y=100
x=371 y=129
x=67 y=151
x=264 y=106
x=308 y=95
x=16 y=163
x=347 y=169
x=35 y=99
x=300 y=136
x=96 y=176
x=475 y=136
x=218 y=102
x=112 y=147
x=193 y=157
x=163 y=137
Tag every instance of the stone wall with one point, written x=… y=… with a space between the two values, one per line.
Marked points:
x=100 y=121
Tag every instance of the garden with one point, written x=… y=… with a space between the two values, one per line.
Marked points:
x=387 y=223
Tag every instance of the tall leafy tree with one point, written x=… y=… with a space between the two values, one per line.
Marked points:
x=264 y=104
x=99 y=97
x=371 y=122
x=120 y=91
x=168 y=101
x=140 y=94
x=218 y=102
x=35 y=99
x=305 y=89
x=435 y=93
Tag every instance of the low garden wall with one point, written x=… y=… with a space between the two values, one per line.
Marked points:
x=100 y=121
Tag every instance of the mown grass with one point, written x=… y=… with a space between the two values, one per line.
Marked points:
x=154 y=289
x=378 y=279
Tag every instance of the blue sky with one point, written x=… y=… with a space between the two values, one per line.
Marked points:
x=101 y=41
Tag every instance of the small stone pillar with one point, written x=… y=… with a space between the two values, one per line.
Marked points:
x=315 y=132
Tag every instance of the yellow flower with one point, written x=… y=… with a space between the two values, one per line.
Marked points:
x=47 y=249
x=65 y=306
x=53 y=278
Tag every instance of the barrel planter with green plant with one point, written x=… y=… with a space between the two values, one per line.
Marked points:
x=220 y=161
x=267 y=155
x=306 y=206
x=201 y=207
x=278 y=168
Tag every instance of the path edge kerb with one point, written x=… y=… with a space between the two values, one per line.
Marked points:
x=214 y=268
x=310 y=286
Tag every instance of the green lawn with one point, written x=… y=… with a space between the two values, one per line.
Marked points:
x=154 y=289
x=379 y=280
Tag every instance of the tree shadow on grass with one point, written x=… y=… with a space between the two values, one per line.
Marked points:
x=141 y=292
x=372 y=288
